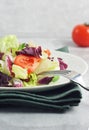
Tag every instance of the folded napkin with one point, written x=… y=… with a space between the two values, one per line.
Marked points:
x=58 y=99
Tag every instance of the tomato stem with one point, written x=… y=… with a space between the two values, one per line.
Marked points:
x=86 y=24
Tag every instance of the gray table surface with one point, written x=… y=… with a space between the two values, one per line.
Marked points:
x=75 y=119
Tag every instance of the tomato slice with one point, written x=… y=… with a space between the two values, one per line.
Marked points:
x=47 y=51
x=28 y=62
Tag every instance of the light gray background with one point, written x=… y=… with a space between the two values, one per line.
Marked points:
x=50 y=23
x=42 y=18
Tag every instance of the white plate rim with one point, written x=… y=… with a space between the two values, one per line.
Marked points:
x=62 y=55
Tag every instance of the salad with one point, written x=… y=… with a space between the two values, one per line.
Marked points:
x=21 y=63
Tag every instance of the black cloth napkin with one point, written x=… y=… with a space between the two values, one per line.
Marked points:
x=58 y=99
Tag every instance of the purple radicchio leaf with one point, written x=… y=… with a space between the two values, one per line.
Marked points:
x=17 y=83
x=9 y=64
x=31 y=51
x=1 y=55
x=4 y=80
x=45 y=80
x=62 y=65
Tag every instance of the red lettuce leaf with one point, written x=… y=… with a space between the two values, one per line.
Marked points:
x=4 y=80
x=9 y=64
x=45 y=80
x=1 y=55
x=62 y=65
x=17 y=83
x=31 y=51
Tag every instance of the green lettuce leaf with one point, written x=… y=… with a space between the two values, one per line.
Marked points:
x=19 y=72
x=55 y=78
x=32 y=81
x=9 y=43
x=46 y=65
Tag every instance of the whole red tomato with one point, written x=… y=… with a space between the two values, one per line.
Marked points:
x=80 y=35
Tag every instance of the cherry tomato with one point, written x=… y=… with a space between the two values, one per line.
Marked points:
x=80 y=35
x=28 y=62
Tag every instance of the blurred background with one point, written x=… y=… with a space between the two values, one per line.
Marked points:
x=45 y=19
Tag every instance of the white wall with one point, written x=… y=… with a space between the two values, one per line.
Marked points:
x=45 y=18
